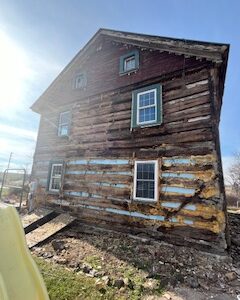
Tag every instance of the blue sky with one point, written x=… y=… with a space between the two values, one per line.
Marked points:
x=38 y=38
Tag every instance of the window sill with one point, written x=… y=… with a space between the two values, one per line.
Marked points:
x=139 y=127
x=63 y=136
x=144 y=201
x=52 y=192
x=128 y=72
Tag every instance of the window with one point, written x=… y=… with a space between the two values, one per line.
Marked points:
x=129 y=62
x=147 y=106
x=64 y=123
x=55 y=177
x=80 y=81
x=146 y=180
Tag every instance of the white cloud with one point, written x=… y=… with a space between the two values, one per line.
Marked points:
x=18 y=132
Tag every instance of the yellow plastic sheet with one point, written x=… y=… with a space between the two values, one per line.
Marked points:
x=20 y=278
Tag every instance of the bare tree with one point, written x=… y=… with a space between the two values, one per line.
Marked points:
x=234 y=174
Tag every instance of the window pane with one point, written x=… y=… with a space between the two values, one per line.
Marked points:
x=57 y=170
x=129 y=63
x=145 y=182
x=146 y=99
x=56 y=182
x=64 y=117
x=145 y=171
x=145 y=189
x=63 y=130
x=146 y=114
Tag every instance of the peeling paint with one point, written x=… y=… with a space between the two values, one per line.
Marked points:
x=188 y=222
x=178 y=190
x=178 y=175
x=118 y=185
x=175 y=161
x=77 y=194
x=177 y=205
x=99 y=162
x=87 y=172
x=171 y=204
x=125 y=212
x=190 y=207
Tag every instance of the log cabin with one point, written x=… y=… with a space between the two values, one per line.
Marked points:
x=129 y=138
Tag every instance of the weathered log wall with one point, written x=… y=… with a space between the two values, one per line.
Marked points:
x=101 y=149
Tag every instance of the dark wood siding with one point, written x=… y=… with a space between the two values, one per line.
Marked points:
x=101 y=149
x=102 y=71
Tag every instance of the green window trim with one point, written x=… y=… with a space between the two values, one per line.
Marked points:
x=123 y=58
x=157 y=88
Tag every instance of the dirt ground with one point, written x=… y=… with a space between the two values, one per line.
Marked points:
x=185 y=273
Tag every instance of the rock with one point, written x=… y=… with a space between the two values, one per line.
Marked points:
x=47 y=255
x=235 y=283
x=167 y=296
x=93 y=273
x=122 y=289
x=100 y=285
x=203 y=284
x=230 y=276
x=58 y=245
x=73 y=264
x=106 y=280
x=236 y=241
x=128 y=282
x=193 y=282
x=118 y=283
x=151 y=284
x=86 y=268
x=61 y=260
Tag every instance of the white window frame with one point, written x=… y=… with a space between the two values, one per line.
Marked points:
x=155 y=162
x=52 y=177
x=60 y=124
x=147 y=106
x=125 y=63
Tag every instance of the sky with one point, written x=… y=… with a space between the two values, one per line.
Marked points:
x=39 y=37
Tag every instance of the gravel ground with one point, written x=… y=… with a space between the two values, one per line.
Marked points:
x=185 y=273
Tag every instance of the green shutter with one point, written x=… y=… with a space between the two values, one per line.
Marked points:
x=49 y=175
x=159 y=104
x=134 y=110
x=158 y=87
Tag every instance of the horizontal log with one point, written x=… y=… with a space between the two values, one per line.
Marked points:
x=99 y=190
x=184 y=91
x=113 y=178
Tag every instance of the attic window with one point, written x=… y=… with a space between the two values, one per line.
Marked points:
x=80 y=81
x=129 y=62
